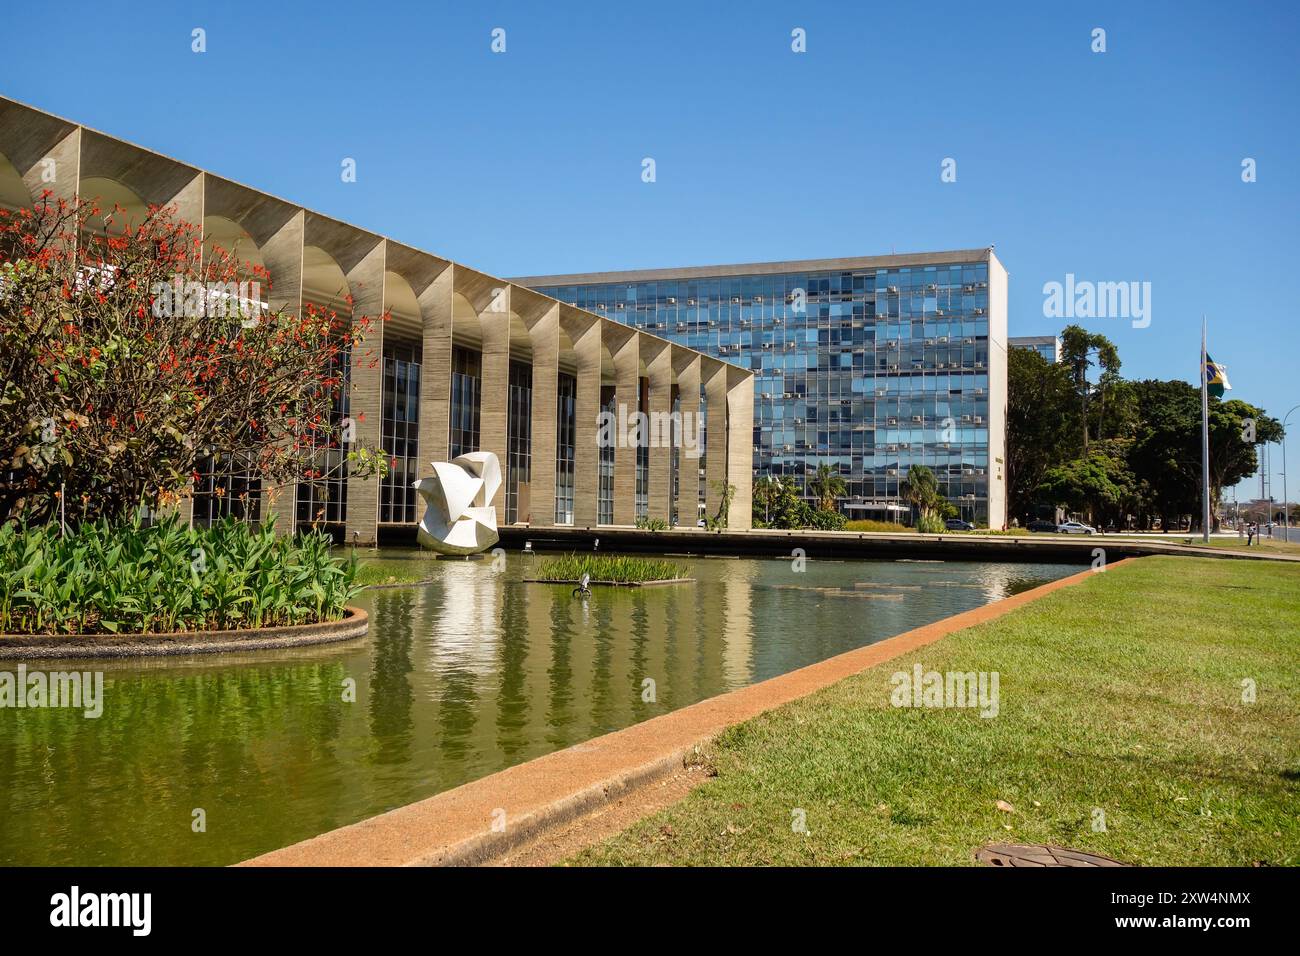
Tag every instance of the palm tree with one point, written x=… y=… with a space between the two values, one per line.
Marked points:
x=921 y=489
x=827 y=486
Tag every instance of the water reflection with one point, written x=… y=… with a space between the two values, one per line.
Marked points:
x=470 y=674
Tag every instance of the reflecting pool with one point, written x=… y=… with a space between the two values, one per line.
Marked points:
x=458 y=678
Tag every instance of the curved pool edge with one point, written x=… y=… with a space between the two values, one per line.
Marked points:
x=465 y=826
x=352 y=626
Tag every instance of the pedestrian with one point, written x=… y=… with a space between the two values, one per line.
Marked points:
x=1250 y=533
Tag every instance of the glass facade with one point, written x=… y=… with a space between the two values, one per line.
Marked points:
x=397 y=497
x=869 y=370
x=565 y=445
x=225 y=488
x=466 y=385
x=519 y=452
x=325 y=498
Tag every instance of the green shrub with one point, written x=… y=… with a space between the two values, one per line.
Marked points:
x=651 y=524
x=867 y=524
x=167 y=577
x=930 y=524
x=622 y=568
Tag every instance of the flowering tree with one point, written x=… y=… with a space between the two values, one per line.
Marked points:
x=128 y=354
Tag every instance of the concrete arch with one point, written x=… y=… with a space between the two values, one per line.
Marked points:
x=466 y=325
x=324 y=283
x=233 y=238
x=403 y=306
x=13 y=191
x=107 y=193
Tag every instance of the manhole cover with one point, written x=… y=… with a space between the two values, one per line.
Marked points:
x=1039 y=854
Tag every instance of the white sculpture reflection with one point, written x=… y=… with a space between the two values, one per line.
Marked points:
x=458 y=519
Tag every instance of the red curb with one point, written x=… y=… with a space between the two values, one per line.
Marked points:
x=455 y=827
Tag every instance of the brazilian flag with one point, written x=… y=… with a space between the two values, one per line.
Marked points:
x=1216 y=377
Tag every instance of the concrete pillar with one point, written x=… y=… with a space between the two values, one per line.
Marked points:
x=715 y=392
x=57 y=169
x=435 y=369
x=491 y=300
x=583 y=330
x=657 y=354
x=740 y=445
x=625 y=344
x=282 y=255
x=189 y=208
x=366 y=409
x=544 y=333
x=687 y=366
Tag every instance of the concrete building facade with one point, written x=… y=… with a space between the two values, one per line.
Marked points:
x=465 y=362
x=869 y=365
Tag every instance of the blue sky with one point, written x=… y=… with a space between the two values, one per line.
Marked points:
x=1115 y=166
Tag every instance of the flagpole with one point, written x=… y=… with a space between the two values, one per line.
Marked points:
x=1205 y=441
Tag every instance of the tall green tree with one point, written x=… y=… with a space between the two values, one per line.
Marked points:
x=1040 y=424
x=1080 y=350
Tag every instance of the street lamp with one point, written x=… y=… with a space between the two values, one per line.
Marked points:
x=1286 y=509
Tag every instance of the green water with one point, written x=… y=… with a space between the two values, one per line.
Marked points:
x=456 y=679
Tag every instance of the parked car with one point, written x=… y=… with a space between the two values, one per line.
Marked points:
x=956 y=524
x=1039 y=524
x=1075 y=527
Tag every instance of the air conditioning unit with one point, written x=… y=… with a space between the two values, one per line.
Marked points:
x=619 y=306
x=892 y=290
x=766 y=395
x=979 y=311
x=892 y=472
x=981 y=285
x=979 y=420
x=767 y=345
x=905 y=445
x=979 y=471
x=941 y=365
x=735 y=300
x=690 y=301
x=943 y=338
x=882 y=391
x=968 y=471
x=787 y=394
x=891 y=421
x=712 y=323
x=917 y=418
x=929 y=341
x=979 y=391
x=965 y=418
x=939 y=312
x=758 y=298
x=979 y=364
x=891 y=448
x=968 y=288
x=932 y=287
x=681 y=325
x=944 y=444
x=672 y=300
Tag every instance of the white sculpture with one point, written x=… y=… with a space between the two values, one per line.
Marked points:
x=459 y=519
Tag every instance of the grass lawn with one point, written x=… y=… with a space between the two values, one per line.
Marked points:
x=1120 y=696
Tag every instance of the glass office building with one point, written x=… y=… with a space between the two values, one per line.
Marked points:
x=868 y=365
x=1048 y=346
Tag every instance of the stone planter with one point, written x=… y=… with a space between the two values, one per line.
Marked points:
x=351 y=626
